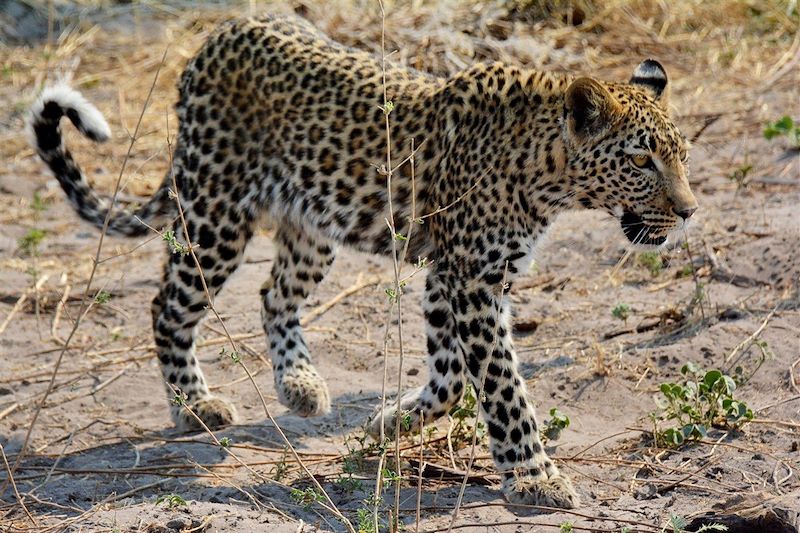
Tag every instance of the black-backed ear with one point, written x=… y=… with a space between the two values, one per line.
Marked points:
x=651 y=77
x=589 y=108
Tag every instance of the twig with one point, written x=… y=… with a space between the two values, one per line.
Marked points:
x=312 y=314
x=421 y=467
x=21 y=301
x=749 y=340
x=460 y=197
x=86 y=302
x=14 y=486
x=57 y=316
x=8 y=410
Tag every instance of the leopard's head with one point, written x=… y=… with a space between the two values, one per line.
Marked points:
x=626 y=156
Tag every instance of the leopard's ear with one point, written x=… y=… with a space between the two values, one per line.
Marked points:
x=589 y=108
x=651 y=77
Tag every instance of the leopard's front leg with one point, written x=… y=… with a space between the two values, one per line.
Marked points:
x=481 y=311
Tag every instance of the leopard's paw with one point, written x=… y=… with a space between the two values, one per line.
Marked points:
x=409 y=419
x=215 y=412
x=553 y=491
x=303 y=391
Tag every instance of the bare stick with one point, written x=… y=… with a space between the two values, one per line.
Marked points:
x=59 y=309
x=310 y=315
x=749 y=340
x=21 y=301
x=421 y=464
x=86 y=302
x=14 y=486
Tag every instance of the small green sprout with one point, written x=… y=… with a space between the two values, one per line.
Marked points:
x=30 y=242
x=349 y=484
x=391 y=293
x=172 y=500
x=365 y=522
x=784 y=126
x=405 y=420
x=307 y=497
x=179 y=397
x=652 y=262
x=552 y=428
x=234 y=355
x=102 y=297
x=175 y=246
x=390 y=477
x=621 y=311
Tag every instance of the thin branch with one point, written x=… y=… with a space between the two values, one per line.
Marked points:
x=86 y=302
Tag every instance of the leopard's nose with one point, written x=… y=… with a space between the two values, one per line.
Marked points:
x=684 y=212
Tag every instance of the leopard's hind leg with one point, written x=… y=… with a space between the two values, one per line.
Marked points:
x=218 y=242
x=302 y=260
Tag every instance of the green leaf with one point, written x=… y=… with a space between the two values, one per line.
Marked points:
x=784 y=124
x=678 y=522
x=690 y=368
x=711 y=378
x=730 y=384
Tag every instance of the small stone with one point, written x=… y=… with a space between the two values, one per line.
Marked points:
x=648 y=491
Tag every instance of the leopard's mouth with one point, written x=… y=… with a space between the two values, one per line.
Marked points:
x=638 y=231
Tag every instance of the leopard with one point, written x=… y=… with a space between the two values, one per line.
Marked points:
x=280 y=123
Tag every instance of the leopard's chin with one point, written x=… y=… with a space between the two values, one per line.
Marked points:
x=639 y=232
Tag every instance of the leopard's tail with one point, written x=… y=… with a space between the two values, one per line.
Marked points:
x=44 y=126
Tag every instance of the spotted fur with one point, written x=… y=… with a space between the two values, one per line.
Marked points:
x=277 y=119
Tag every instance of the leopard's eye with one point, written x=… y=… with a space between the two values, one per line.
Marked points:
x=642 y=161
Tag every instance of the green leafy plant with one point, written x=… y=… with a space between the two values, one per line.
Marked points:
x=175 y=246
x=705 y=399
x=280 y=470
x=566 y=527
x=390 y=477
x=685 y=271
x=462 y=415
x=179 y=397
x=29 y=243
x=405 y=420
x=551 y=429
x=171 y=500
x=677 y=524
x=234 y=355
x=784 y=127
x=349 y=484
x=621 y=311
x=306 y=497
x=652 y=262
x=102 y=297
x=364 y=519
x=741 y=176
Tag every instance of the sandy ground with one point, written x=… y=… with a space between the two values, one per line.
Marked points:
x=103 y=452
